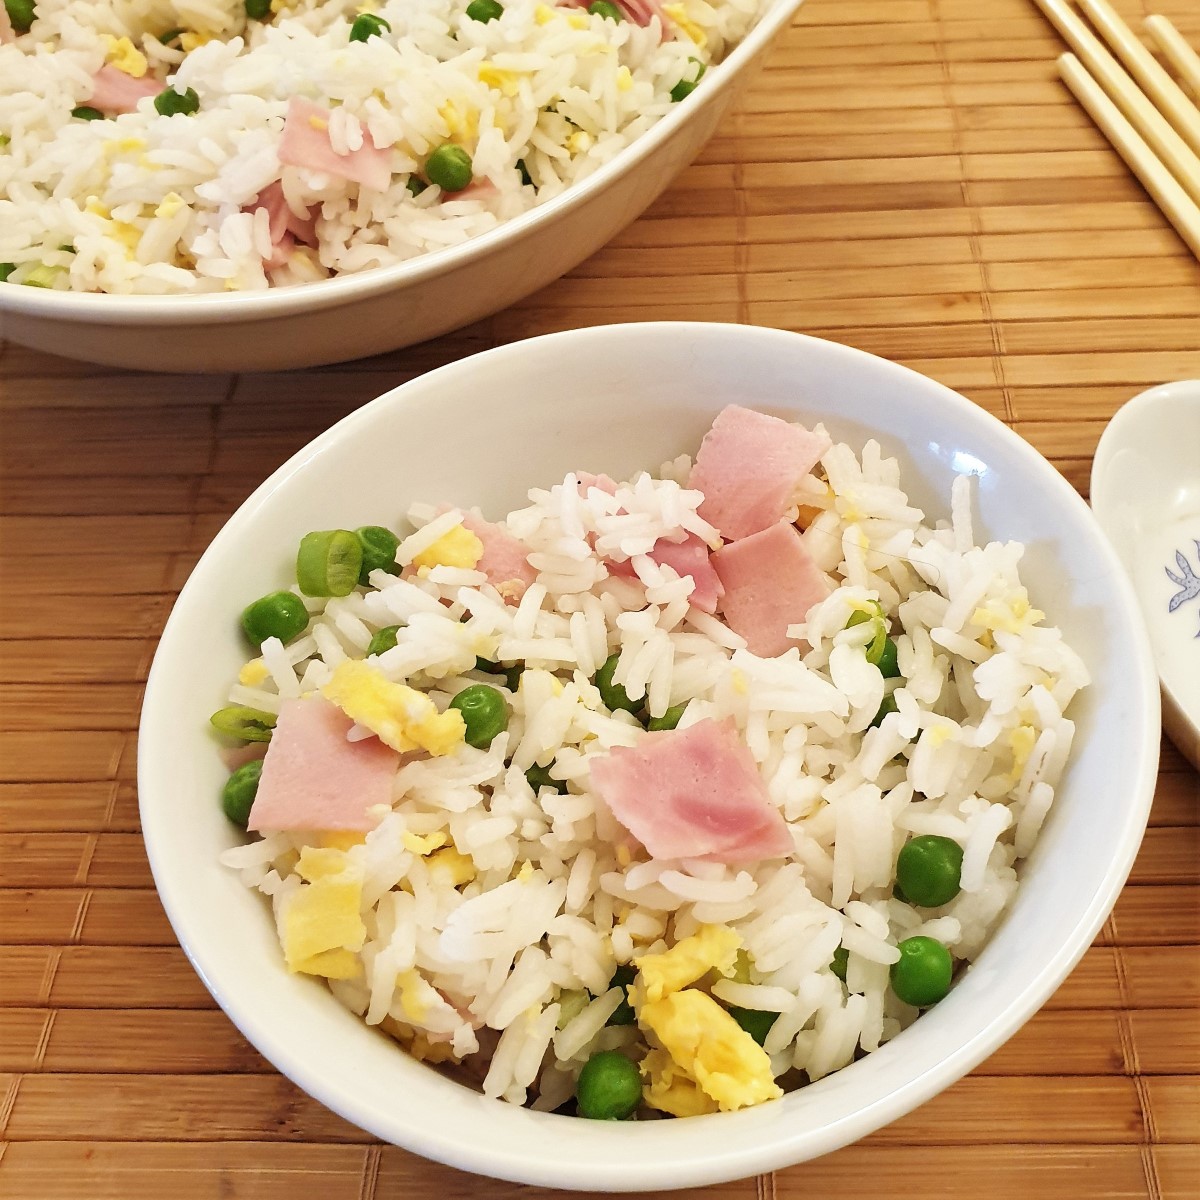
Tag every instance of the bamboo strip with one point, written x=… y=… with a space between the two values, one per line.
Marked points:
x=32 y=917
x=1086 y=302
x=1177 y=799
x=100 y=660
x=1178 y=53
x=127 y=977
x=49 y=758
x=1167 y=1041
x=21 y=1033
x=25 y=972
x=1175 y=1101
x=43 y=707
x=100 y=496
x=1143 y=66
x=1175 y=1169
x=64 y=807
x=1176 y=197
x=1141 y=914
x=120 y=916
x=96 y=574
x=98 y=392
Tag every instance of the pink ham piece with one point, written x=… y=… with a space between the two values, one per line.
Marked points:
x=7 y=32
x=313 y=778
x=748 y=467
x=305 y=143
x=114 y=92
x=693 y=793
x=687 y=558
x=282 y=219
x=505 y=559
x=770 y=583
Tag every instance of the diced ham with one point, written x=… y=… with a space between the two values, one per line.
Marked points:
x=748 y=467
x=687 y=558
x=770 y=583
x=313 y=778
x=693 y=793
x=505 y=559
x=641 y=12
x=604 y=482
x=305 y=143
x=281 y=251
x=282 y=219
x=238 y=756
x=114 y=92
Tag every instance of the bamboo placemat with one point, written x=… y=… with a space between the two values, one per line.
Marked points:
x=907 y=176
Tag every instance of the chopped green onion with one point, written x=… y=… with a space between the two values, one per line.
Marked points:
x=415 y=186
x=171 y=103
x=685 y=87
x=248 y=724
x=669 y=719
x=328 y=562
x=85 y=112
x=606 y=9
x=21 y=14
x=172 y=35
x=449 y=166
x=368 y=25
x=622 y=977
x=526 y=178
x=41 y=277
x=571 y=1004
x=6 y=269
x=257 y=10
x=756 y=1022
x=888 y=706
x=540 y=777
x=839 y=962
x=383 y=640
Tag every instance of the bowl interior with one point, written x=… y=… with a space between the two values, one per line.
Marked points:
x=617 y=399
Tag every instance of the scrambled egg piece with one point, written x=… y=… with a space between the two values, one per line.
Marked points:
x=341 y=839
x=1021 y=740
x=543 y=14
x=464 y=125
x=452 y=867
x=96 y=209
x=660 y=974
x=408 y=984
x=399 y=716
x=1014 y=617
x=671 y=1090
x=124 y=55
x=423 y=845
x=255 y=671
x=322 y=928
x=191 y=40
x=678 y=14
x=709 y=1046
x=624 y=79
x=457 y=548
x=508 y=82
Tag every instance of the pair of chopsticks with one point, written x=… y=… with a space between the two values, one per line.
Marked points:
x=1155 y=128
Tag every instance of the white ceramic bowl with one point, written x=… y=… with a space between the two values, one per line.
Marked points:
x=483 y=430
x=1146 y=496
x=374 y=311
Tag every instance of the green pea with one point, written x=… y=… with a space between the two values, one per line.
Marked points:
x=85 y=112
x=929 y=870
x=609 y=1087
x=6 y=269
x=171 y=103
x=378 y=551
x=613 y=694
x=237 y=796
x=540 y=777
x=921 y=976
x=415 y=186
x=685 y=87
x=669 y=719
x=484 y=712
x=21 y=14
x=280 y=614
x=383 y=640
x=512 y=675
x=172 y=35
x=248 y=724
x=257 y=10
x=449 y=166
x=368 y=25
x=888 y=706
x=623 y=1014
x=755 y=1021
x=484 y=10
x=839 y=962
x=607 y=10
x=328 y=562
x=886 y=660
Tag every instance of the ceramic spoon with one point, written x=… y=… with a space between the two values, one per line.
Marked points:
x=1146 y=496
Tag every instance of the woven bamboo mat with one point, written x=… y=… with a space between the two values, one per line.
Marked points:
x=906 y=176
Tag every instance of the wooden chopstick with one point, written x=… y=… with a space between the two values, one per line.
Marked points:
x=1149 y=123
x=1176 y=51
x=1171 y=198
x=1143 y=66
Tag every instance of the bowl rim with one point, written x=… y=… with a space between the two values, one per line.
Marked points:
x=211 y=308
x=730 y=1161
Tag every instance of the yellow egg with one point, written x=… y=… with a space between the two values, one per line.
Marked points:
x=449 y=866
x=670 y=1089
x=255 y=671
x=661 y=974
x=322 y=928
x=678 y=14
x=408 y=983
x=457 y=548
x=508 y=82
x=543 y=14
x=125 y=56
x=709 y=1046
x=624 y=79
x=341 y=839
x=423 y=845
x=398 y=715
x=190 y=40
